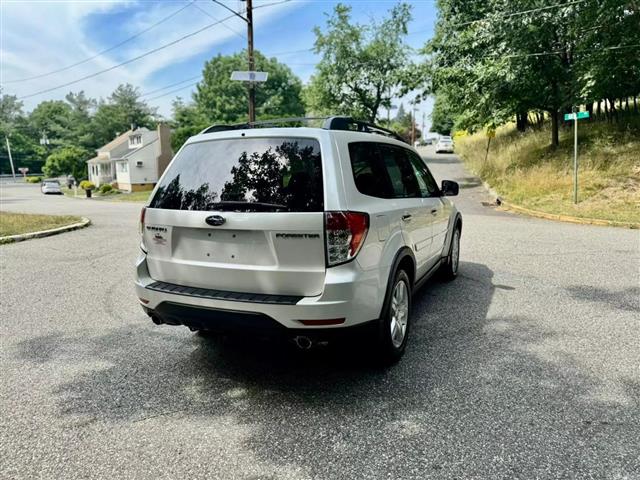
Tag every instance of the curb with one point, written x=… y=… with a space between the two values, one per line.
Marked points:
x=45 y=233
x=556 y=216
x=567 y=218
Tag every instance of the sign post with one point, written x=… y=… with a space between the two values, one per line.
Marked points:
x=575 y=116
x=251 y=77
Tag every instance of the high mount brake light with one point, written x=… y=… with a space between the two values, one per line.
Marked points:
x=345 y=233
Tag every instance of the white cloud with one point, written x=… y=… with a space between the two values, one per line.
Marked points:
x=36 y=38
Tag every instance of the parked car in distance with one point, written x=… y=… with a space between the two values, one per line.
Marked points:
x=50 y=186
x=313 y=233
x=444 y=145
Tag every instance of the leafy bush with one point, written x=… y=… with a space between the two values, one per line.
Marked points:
x=87 y=185
x=34 y=179
x=67 y=160
x=105 y=189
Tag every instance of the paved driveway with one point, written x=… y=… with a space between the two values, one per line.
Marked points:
x=527 y=366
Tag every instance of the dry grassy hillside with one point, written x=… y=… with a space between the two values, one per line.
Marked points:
x=526 y=171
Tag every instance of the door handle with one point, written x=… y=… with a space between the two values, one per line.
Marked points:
x=434 y=211
x=406 y=218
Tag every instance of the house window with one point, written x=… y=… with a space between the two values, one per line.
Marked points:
x=123 y=167
x=135 y=140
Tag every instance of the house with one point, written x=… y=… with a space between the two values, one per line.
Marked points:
x=134 y=160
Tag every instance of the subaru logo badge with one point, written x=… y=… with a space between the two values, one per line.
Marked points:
x=215 y=220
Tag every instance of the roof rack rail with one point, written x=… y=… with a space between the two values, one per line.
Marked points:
x=330 y=123
x=259 y=123
x=347 y=123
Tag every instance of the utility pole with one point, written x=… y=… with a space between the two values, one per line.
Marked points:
x=249 y=21
x=413 y=126
x=13 y=172
x=252 y=88
x=575 y=158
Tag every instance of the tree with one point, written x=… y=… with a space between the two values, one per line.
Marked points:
x=67 y=161
x=400 y=114
x=187 y=121
x=218 y=99
x=122 y=110
x=14 y=125
x=53 y=119
x=82 y=110
x=442 y=116
x=497 y=66
x=362 y=66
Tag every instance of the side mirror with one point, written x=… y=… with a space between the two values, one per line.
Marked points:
x=450 y=188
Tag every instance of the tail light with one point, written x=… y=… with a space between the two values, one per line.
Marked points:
x=142 y=214
x=344 y=235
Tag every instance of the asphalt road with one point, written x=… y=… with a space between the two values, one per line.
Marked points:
x=527 y=366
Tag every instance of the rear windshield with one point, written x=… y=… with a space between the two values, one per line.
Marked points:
x=244 y=174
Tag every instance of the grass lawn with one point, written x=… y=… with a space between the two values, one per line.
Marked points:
x=526 y=171
x=17 y=223
x=113 y=196
x=131 y=197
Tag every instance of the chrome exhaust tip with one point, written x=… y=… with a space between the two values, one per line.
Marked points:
x=302 y=342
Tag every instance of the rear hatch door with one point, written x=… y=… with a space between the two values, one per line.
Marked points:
x=241 y=215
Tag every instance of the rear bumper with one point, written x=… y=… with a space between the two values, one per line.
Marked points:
x=349 y=293
x=246 y=323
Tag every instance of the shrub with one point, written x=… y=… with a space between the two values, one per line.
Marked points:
x=87 y=185
x=66 y=160
x=105 y=189
x=34 y=179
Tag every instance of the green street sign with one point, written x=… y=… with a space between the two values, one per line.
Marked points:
x=576 y=116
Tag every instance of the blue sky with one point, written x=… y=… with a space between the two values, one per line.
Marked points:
x=39 y=37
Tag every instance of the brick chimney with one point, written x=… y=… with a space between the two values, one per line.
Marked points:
x=165 y=154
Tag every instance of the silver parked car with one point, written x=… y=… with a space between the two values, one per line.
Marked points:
x=309 y=232
x=50 y=187
x=444 y=145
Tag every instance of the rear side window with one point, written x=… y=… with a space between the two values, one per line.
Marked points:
x=428 y=185
x=403 y=177
x=369 y=173
x=383 y=171
x=245 y=174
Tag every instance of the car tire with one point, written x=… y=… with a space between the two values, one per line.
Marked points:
x=449 y=269
x=393 y=327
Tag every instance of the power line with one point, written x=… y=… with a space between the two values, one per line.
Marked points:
x=172 y=91
x=272 y=4
x=42 y=75
x=523 y=55
x=522 y=12
x=230 y=9
x=169 y=86
x=86 y=77
x=557 y=52
x=275 y=54
x=224 y=24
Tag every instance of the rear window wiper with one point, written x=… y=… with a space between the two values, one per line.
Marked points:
x=230 y=205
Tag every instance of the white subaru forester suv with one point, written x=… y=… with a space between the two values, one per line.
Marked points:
x=310 y=232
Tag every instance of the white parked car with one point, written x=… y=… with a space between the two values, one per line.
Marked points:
x=50 y=187
x=308 y=232
x=444 y=145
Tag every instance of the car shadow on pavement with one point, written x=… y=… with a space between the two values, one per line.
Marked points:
x=471 y=397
